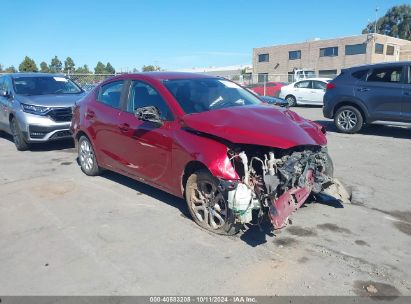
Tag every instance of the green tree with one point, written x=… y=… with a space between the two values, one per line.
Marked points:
x=10 y=69
x=100 y=68
x=83 y=70
x=55 y=65
x=69 y=66
x=28 y=65
x=395 y=23
x=44 y=68
x=150 y=68
x=110 y=69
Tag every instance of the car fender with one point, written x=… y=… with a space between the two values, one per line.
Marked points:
x=208 y=150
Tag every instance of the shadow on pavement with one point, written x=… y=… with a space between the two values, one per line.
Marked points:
x=375 y=130
x=62 y=144
x=155 y=193
x=257 y=235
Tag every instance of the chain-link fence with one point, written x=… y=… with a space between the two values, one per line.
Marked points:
x=88 y=81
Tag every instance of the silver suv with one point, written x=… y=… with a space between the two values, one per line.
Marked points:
x=36 y=107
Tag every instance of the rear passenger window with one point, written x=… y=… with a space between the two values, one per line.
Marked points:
x=143 y=95
x=388 y=74
x=110 y=94
x=303 y=85
x=319 y=85
x=360 y=74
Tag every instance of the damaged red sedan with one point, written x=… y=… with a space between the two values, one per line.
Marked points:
x=232 y=157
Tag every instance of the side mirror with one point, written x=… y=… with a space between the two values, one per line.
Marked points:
x=149 y=113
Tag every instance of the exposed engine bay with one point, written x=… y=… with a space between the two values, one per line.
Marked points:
x=277 y=182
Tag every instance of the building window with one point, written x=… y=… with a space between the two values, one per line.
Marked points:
x=263 y=58
x=355 y=49
x=379 y=48
x=327 y=73
x=390 y=50
x=293 y=55
x=262 y=77
x=329 y=51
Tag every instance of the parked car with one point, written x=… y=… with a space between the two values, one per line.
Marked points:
x=370 y=94
x=37 y=107
x=271 y=88
x=205 y=139
x=275 y=101
x=305 y=92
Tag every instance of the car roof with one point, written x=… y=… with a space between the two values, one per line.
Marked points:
x=382 y=64
x=32 y=74
x=315 y=78
x=171 y=75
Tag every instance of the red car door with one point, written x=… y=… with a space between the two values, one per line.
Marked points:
x=147 y=146
x=103 y=116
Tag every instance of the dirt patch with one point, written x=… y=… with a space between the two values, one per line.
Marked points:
x=375 y=289
x=333 y=228
x=300 y=231
x=286 y=241
x=53 y=189
x=399 y=215
x=361 y=243
x=403 y=217
x=403 y=227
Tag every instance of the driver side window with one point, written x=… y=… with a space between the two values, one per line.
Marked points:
x=143 y=95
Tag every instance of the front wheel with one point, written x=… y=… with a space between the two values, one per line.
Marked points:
x=292 y=102
x=18 y=137
x=87 y=157
x=348 y=119
x=207 y=205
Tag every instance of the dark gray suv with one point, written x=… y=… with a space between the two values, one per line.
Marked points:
x=379 y=94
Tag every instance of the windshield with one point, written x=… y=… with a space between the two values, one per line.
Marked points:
x=200 y=95
x=44 y=85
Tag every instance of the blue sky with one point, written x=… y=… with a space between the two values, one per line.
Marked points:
x=173 y=34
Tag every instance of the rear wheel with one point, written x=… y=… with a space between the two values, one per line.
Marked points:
x=207 y=205
x=292 y=102
x=87 y=157
x=348 y=119
x=18 y=137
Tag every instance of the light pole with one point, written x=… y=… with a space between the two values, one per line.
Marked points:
x=375 y=24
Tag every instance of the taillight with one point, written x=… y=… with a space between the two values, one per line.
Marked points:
x=330 y=86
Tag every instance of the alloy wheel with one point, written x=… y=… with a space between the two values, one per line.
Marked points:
x=208 y=205
x=347 y=120
x=86 y=155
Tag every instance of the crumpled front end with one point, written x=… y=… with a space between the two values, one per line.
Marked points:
x=277 y=182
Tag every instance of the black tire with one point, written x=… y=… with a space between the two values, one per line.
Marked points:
x=329 y=166
x=292 y=102
x=207 y=201
x=87 y=157
x=348 y=119
x=18 y=137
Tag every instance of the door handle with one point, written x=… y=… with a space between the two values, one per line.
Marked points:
x=124 y=127
x=363 y=89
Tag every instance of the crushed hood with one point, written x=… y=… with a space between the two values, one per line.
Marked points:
x=264 y=125
x=63 y=100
